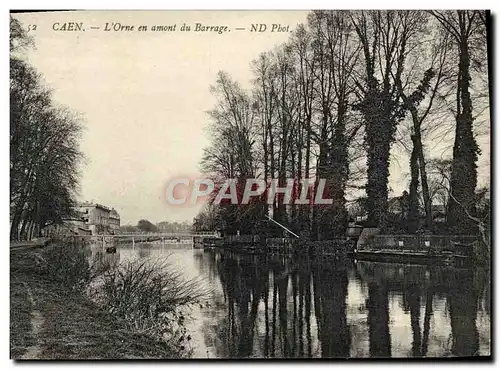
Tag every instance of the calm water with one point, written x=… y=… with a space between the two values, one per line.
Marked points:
x=274 y=307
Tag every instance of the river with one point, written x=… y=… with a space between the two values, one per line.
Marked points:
x=276 y=307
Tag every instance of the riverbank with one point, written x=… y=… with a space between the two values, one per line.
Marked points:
x=458 y=250
x=50 y=320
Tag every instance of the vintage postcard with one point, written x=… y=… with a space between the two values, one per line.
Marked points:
x=250 y=184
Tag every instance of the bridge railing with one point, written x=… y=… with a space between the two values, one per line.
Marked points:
x=158 y=234
x=168 y=233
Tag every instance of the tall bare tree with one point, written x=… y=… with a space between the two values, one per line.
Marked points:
x=422 y=90
x=231 y=154
x=467 y=30
x=385 y=37
x=336 y=52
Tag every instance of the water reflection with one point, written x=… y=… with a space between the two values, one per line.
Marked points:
x=275 y=307
x=97 y=253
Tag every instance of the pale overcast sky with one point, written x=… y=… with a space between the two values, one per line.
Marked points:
x=144 y=95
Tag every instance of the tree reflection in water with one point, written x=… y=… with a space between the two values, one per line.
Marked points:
x=274 y=306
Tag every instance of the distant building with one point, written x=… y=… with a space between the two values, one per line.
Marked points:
x=114 y=221
x=96 y=216
x=78 y=224
x=75 y=225
x=438 y=212
x=399 y=205
x=88 y=219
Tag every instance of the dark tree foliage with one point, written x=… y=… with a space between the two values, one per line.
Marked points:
x=385 y=37
x=44 y=148
x=145 y=225
x=329 y=104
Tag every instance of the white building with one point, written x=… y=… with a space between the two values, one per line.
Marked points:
x=96 y=216
x=114 y=221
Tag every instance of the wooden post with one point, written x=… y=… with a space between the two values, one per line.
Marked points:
x=133 y=243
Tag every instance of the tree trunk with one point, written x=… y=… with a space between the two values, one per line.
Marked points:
x=320 y=219
x=417 y=145
x=378 y=175
x=465 y=152
x=307 y=174
x=299 y=223
x=425 y=186
x=339 y=175
x=413 y=213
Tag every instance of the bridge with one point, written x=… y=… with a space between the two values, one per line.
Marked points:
x=164 y=234
x=158 y=235
x=164 y=237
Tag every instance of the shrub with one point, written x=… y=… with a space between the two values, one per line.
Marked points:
x=66 y=264
x=151 y=297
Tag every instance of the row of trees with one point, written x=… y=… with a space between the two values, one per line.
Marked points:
x=333 y=100
x=145 y=225
x=44 y=147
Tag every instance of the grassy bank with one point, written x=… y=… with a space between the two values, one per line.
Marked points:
x=52 y=316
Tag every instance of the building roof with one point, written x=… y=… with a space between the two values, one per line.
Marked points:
x=94 y=205
x=114 y=214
